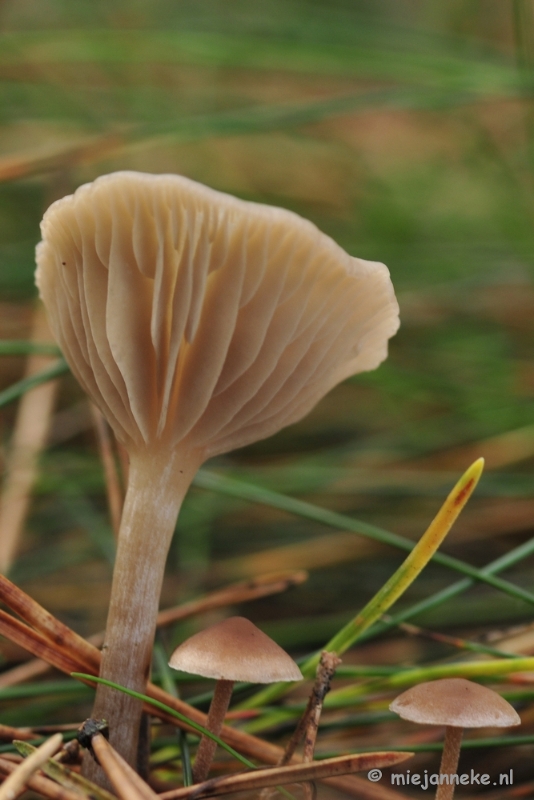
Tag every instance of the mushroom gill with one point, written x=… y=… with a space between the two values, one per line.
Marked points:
x=195 y=318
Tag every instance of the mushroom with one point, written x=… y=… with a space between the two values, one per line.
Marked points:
x=231 y=650
x=457 y=704
x=197 y=323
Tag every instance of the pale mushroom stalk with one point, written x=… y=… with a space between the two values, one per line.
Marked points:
x=206 y=749
x=157 y=484
x=449 y=760
x=197 y=323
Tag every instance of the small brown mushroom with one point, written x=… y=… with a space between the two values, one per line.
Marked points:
x=457 y=704
x=232 y=650
x=197 y=323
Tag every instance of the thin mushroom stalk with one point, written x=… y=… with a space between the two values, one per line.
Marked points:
x=206 y=749
x=197 y=323
x=157 y=485
x=449 y=762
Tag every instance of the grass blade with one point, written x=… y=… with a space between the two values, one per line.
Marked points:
x=16 y=390
x=411 y=567
x=256 y=494
x=504 y=562
x=21 y=347
x=410 y=677
x=168 y=710
x=167 y=682
x=395 y=586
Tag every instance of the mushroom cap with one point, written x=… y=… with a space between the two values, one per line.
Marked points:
x=235 y=650
x=190 y=316
x=457 y=702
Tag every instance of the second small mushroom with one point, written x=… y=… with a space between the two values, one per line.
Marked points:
x=457 y=704
x=229 y=651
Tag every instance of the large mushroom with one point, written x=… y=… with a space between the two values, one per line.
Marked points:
x=457 y=704
x=197 y=323
x=231 y=650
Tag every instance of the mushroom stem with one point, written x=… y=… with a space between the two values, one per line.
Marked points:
x=449 y=761
x=206 y=749
x=157 y=484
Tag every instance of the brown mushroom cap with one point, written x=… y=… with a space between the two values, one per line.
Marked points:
x=457 y=702
x=235 y=650
x=191 y=316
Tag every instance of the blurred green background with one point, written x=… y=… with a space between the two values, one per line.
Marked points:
x=403 y=129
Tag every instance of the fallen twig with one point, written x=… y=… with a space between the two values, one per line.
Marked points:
x=295 y=773
x=309 y=721
x=325 y=672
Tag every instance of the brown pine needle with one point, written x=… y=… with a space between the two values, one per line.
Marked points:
x=295 y=773
x=261 y=586
x=125 y=782
x=39 y=645
x=85 y=151
x=47 y=625
x=41 y=785
x=55 y=770
x=30 y=434
x=125 y=463
x=443 y=638
x=22 y=774
x=243 y=591
x=24 y=672
x=114 y=490
x=147 y=792
x=59 y=728
x=333 y=548
x=7 y=733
